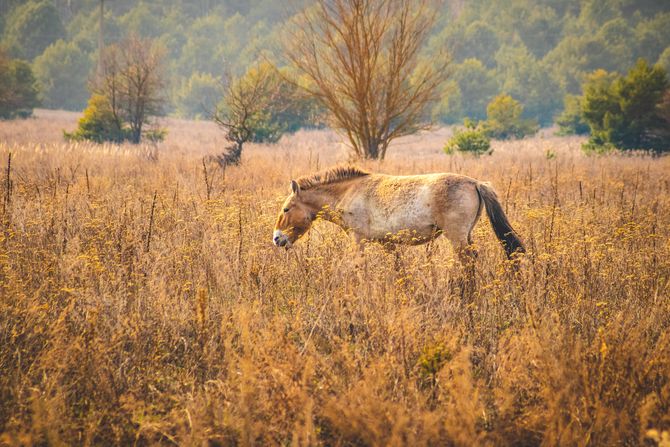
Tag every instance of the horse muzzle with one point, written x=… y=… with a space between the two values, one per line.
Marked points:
x=280 y=239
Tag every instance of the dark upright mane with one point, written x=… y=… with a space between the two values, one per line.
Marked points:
x=329 y=176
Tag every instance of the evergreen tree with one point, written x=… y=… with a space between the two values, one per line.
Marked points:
x=18 y=88
x=479 y=41
x=63 y=71
x=198 y=96
x=624 y=113
x=31 y=28
x=477 y=85
x=504 y=119
x=571 y=120
x=526 y=79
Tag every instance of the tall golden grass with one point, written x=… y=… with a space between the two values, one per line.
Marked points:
x=144 y=304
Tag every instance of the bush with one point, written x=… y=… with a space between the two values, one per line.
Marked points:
x=471 y=140
x=504 y=119
x=301 y=110
x=155 y=135
x=18 y=88
x=99 y=123
x=571 y=121
x=627 y=112
x=597 y=146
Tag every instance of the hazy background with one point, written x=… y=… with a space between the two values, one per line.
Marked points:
x=535 y=50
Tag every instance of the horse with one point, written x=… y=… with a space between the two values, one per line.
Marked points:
x=407 y=209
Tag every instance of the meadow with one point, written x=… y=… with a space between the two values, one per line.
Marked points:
x=142 y=301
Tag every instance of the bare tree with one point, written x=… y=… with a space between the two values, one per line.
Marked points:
x=361 y=58
x=248 y=105
x=132 y=80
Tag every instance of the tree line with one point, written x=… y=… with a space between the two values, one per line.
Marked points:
x=527 y=59
x=533 y=50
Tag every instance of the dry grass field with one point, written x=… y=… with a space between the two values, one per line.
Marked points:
x=143 y=302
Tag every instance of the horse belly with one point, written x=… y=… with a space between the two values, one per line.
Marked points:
x=410 y=222
x=413 y=226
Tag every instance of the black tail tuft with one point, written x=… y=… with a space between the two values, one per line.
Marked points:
x=501 y=226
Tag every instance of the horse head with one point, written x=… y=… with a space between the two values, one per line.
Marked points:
x=294 y=219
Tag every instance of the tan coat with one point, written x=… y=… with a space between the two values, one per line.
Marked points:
x=411 y=209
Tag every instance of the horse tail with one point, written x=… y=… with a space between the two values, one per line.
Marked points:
x=501 y=226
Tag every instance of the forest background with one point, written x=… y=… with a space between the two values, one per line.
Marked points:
x=537 y=51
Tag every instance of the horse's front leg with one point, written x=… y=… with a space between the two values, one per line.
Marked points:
x=467 y=256
x=358 y=242
x=358 y=247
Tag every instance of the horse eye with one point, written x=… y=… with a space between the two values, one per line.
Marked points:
x=286 y=210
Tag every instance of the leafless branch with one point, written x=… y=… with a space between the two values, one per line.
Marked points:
x=131 y=79
x=362 y=61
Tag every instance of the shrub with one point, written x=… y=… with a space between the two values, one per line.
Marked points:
x=663 y=110
x=99 y=123
x=472 y=140
x=431 y=361
x=571 y=121
x=155 y=135
x=626 y=112
x=597 y=146
x=504 y=119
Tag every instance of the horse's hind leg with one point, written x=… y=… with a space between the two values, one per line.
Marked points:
x=457 y=223
x=467 y=253
x=463 y=247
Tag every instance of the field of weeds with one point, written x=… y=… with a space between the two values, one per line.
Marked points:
x=142 y=301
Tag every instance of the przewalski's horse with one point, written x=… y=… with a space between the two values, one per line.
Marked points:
x=408 y=209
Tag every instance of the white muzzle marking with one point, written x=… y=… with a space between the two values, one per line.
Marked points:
x=280 y=239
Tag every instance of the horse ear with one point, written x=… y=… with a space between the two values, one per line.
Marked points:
x=295 y=187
